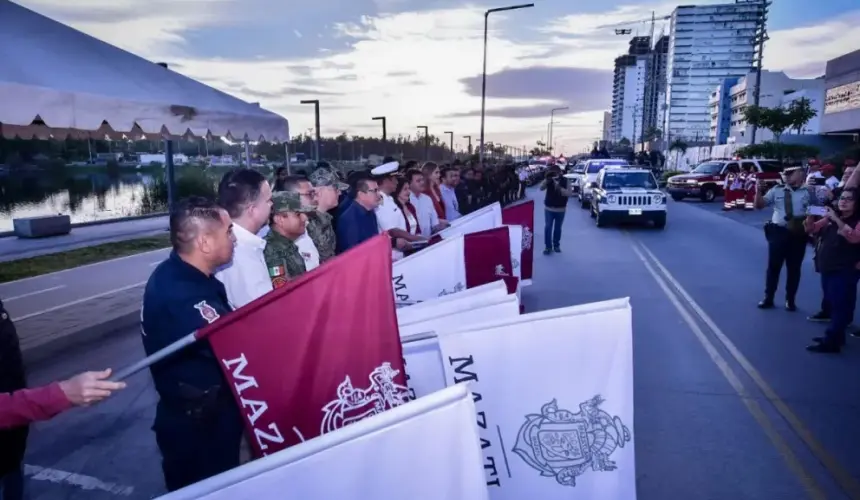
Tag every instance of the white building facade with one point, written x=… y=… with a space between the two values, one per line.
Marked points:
x=729 y=100
x=707 y=45
x=627 y=99
x=607 y=127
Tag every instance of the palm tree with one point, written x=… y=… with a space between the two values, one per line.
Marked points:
x=676 y=146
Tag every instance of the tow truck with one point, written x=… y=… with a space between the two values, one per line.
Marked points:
x=707 y=180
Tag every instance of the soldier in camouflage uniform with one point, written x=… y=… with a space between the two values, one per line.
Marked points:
x=289 y=217
x=328 y=188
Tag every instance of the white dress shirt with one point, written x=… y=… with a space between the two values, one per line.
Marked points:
x=427 y=216
x=389 y=216
x=246 y=277
x=309 y=252
x=449 y=199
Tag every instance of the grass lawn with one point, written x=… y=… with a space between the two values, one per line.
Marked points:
x=44 y=264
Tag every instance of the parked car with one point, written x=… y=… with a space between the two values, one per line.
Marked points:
x=627 y=195
x=588 y=175
x=573 y=176
x=707 y=180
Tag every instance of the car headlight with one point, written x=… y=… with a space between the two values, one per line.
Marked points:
x=658 y=198
x=691 y=181
x=612 y=199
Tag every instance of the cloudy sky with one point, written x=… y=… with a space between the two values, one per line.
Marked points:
x=419 y=61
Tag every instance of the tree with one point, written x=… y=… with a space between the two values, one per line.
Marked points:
x=679 y=147
x=801 y=112
x=625 y=142
x=652 y=134
x=777 y=120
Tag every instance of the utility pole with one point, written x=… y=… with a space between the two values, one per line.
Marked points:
x=384 y=133
x=451 y=135
x=316 y=104
x=760 y=37
x=469 y=137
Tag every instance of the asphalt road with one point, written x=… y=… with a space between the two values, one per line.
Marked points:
x=728 y=403
x=42 y=295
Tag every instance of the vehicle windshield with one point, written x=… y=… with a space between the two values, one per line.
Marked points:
x=596 y=166
x=770 y=166
x=711 y=167
x=618 y=180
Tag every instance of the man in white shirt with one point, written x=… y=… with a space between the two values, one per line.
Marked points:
x=389 y=217
x=428 y=219
x=247 y=197
x=450 y=179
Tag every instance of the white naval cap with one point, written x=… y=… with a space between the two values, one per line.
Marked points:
x=385 y=169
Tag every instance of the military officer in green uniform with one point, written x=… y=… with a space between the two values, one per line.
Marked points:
x=785 y=234
x=327 y=186
x=288 y=220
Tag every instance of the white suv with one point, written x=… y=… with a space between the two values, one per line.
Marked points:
x=627 y=195
x=589 y=174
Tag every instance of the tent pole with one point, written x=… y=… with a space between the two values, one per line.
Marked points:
x=287 y=149
x=247 y=153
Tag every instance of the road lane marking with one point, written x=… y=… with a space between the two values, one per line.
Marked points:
x=813 y=489
x=37 y=292
x=79 y=301
x=844 y=478
x=8 y=283
x=153 y=264
x=87 y=483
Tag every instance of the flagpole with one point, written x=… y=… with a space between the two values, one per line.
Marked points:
x=156 y=357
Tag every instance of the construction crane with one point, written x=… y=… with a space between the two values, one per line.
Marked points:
x=652 y=19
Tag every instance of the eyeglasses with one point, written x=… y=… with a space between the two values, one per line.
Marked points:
x=846 y=198
x=309 y=194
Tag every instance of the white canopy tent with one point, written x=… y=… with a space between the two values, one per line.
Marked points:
x=57 y=82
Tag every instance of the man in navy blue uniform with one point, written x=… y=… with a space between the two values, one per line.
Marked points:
x=198 y=426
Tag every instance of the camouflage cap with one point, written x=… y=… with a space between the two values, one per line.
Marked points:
x=289 y=201
x=326 y=177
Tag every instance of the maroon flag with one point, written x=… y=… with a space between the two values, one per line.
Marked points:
x=487 y=255
x=318 y=354
x=523 y=214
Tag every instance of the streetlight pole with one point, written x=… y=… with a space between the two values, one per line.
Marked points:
x=484 y=77
x=451 y=134
x=316 y=104
x=426 y=141
x=551 y=122
x=469 y=137
x=384 y=136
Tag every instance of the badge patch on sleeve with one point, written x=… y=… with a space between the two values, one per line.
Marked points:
x=207 y=312
x=278 y=274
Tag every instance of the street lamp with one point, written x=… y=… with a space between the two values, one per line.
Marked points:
x=316 y=104
x=551 y=122
x=426 y=141
x=484 y=77
x=384 y=138
x=470 y=143
x=451 y=134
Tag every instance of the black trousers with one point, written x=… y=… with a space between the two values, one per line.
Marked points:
x=784 y=248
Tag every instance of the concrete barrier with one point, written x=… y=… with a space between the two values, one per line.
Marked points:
x=40 y=227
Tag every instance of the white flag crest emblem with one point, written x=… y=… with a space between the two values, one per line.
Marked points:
x=527 y=238
x=562 y=444
x=354 y=404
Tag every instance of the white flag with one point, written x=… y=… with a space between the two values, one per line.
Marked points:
x=425 y=373
x=554 y=395
x=427 y=448
x=428 y=308
x=479 y=220
x=436 y=271
x=461 y=314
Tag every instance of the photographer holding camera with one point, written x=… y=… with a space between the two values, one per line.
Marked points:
x=555 y=204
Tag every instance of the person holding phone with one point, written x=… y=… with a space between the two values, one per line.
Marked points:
x=555 y=205
x=837 y=259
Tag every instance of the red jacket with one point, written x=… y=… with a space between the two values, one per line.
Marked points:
x=25 y=406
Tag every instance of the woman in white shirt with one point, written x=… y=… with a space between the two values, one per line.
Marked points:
x=409 y=221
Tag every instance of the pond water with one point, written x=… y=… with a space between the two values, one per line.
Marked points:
x=84 y=195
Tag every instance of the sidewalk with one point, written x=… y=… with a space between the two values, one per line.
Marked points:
x=13 y=248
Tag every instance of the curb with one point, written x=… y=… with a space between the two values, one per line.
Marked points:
x=128 y=218
x=79 y=339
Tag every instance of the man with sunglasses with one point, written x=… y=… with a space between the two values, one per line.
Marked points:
x=357 y=222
